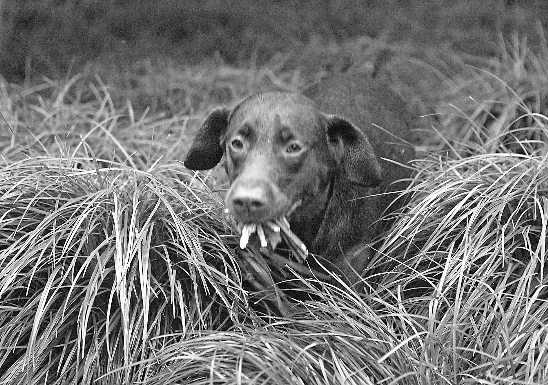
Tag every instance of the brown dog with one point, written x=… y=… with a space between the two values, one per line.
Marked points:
x=321 y=159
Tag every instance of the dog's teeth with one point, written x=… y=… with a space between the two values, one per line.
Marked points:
x=275 y=239
x=247 y=230
x=262 y=237
x=244 y=239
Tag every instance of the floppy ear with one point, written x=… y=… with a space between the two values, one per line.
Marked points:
x=353 y=151
x=206 y=150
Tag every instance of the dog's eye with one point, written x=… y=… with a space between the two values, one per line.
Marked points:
x=237 y=144
x=294 y=148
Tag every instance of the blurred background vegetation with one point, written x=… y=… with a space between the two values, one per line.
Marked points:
x=51 y=37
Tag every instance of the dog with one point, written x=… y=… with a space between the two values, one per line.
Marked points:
x=332 y=159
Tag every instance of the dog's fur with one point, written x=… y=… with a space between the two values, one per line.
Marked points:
x=335 y=148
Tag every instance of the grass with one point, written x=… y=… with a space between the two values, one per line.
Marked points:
x=101 y=243
x=469 y=258
x=117 y=265
x=468 y=255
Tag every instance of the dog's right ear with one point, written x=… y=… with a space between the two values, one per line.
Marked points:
x=206 y=150
x=353 y=151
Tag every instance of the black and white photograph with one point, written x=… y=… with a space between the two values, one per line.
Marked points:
x=273 y=192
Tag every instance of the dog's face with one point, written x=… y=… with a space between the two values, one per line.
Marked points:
x=276 y=157
x=280 y=152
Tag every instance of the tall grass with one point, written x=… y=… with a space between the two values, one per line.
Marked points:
x=117 y=265
x=468 y=255
x=96 y=262
x=468 y=258
x=337 y=339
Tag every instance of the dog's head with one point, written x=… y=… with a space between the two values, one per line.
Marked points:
x=280 y=151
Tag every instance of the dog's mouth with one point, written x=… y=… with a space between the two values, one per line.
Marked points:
x=272 y=231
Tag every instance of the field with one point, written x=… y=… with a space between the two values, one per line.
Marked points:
x=119 y=266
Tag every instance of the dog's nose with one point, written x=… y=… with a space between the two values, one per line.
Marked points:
x=249 y=199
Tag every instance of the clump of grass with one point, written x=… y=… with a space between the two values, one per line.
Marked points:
x=334 y=340
x=468 y=255
x=468 y=258
x=96 y=262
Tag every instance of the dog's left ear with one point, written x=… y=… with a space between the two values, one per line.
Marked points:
x=353 y=151
x=206 y=150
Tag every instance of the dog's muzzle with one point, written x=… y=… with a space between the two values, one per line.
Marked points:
x=256 y=201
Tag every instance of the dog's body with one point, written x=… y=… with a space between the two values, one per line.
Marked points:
x=327 y=159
